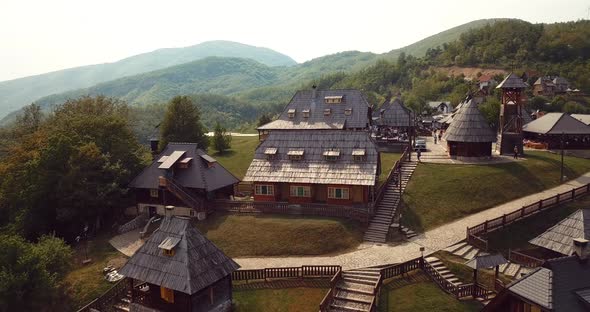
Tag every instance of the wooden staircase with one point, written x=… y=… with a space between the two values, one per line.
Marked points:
x=356 y=290
x=442 y=269
x=387 y=207
x=187 y=196
x=469 y=252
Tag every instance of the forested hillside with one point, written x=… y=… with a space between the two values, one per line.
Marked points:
x=17 y=93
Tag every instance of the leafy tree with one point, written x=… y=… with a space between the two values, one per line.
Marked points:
x=263 y=120
x=31 y=274
x=221 y=139
x=182 y=123
x=491 y=111
x=538 y=103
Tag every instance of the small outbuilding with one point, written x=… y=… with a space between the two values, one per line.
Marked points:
x=557 y=130
x=178 y=269
x=469 y=134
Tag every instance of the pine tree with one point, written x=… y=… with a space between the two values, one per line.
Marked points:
x=221 y=139
x=182 y=123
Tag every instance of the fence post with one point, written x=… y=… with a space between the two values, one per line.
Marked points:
x=485 y=227
x=503 y=220
x=557 y=200
x=573 y=193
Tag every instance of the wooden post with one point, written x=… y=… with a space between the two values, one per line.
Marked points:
x=503 y=220
x=474 y=283
x=557 y=200
x=573 y=193
x=485 y=227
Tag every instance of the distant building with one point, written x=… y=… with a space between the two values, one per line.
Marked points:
x=178 y=269
x=553 y=128
x=322 y=110
x=327 y=166
x=486 y=83
x=184 y=176
x=560 y=285
x=469 y=134
x=442 y=107
x=551 y=86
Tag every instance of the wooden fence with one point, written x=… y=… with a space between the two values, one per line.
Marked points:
x=475 y=234
x=401 y=268
x=105 y=303
x=306 y=271
x=311 y=209
x=524 y=260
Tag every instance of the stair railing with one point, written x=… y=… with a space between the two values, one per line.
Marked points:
x=178 y=190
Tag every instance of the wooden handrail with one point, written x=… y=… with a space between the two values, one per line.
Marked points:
x=524 y=259
x=178 y=190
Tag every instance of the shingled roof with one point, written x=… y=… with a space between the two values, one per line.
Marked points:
x=559 y=237
x=196 y=264
x=314 y=168
x=198 y=175
x=512 y=81
x=394 y=114
x=323 y=115
x=469 y=125
x=556 y=123
x=556 y=286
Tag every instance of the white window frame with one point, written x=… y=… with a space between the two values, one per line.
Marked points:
x=344 y=192
x=154 y=193
x=305 y=191
x=270 y=189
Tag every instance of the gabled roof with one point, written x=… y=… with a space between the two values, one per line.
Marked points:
x=485 y=261
x=437 y=104
x=469 y=125
x=560 y=80
x=394 y=114
x=556 y=123
x=198 y=175
x=535 y=287
x=196 y=264
x=314 y=168
x=560 y=237
x=512 y=81
x=314 y=101
x=585 y=118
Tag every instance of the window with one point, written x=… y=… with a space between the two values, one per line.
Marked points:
x=333 y=99
x=295 y=154
x=348 y=111
x=271 y=153
x=359 y=158
x=300 y=191
x=305 y=113
x=331 y=158
x=331 y=155
x=167 y=294
x=264 y=190
x=291 y=113
x=358 y=155
x=327 y=112
x=154 y=193
x=338 y=193
x=168 y=252
x=192 y=213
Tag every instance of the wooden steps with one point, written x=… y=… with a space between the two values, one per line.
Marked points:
x=442 y=269
x=354 y=292
x=387 y=207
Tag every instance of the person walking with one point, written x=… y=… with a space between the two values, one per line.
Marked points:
x=418 y=154
x=515 y=152
x=435 y=139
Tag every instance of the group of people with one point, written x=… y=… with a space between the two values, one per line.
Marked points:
x=437 y=135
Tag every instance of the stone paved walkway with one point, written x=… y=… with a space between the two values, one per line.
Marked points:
x=433 y=240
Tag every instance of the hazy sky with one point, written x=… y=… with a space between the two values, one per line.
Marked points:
x=42 y=36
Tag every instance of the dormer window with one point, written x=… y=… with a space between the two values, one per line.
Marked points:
x=359 y=155
x=305 y=113
x=348 y=111
x=210 y=161
x=327 y=112
x=291 y=113
x=271 y=153
x=335 y=99
x=331 y=155
x=168 y=244
x=295 y=155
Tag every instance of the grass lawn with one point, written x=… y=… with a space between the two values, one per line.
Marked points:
x=289 y=299
x=278 y=235
x=517 y=235
x=439 y=193
x=86 y=282
x=421 y=296
x=238 y=158
x=387 y=161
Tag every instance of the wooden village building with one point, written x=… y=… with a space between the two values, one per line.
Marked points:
x=560 y=285
x=469 y=135
x=178 y=269
x=558 y=239
x=303 y=166
x=394 y=122
x=322 y=110
x=440 y=107
x=184 y=176
x=558 y=130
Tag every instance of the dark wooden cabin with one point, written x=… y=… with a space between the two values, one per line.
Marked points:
x=558 y=130
x=469 y=135
x=184 y=176
x=328 y=166
x=178 y=269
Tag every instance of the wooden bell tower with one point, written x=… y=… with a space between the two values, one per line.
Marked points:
x=511 y=120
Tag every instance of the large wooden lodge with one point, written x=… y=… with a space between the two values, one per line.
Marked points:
x=319 y=150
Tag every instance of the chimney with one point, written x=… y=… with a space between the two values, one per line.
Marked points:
x=168 y=212
x=154 y=142
x=581 y=248
x=313 y=92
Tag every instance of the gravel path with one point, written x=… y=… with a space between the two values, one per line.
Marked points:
x=433 y=240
